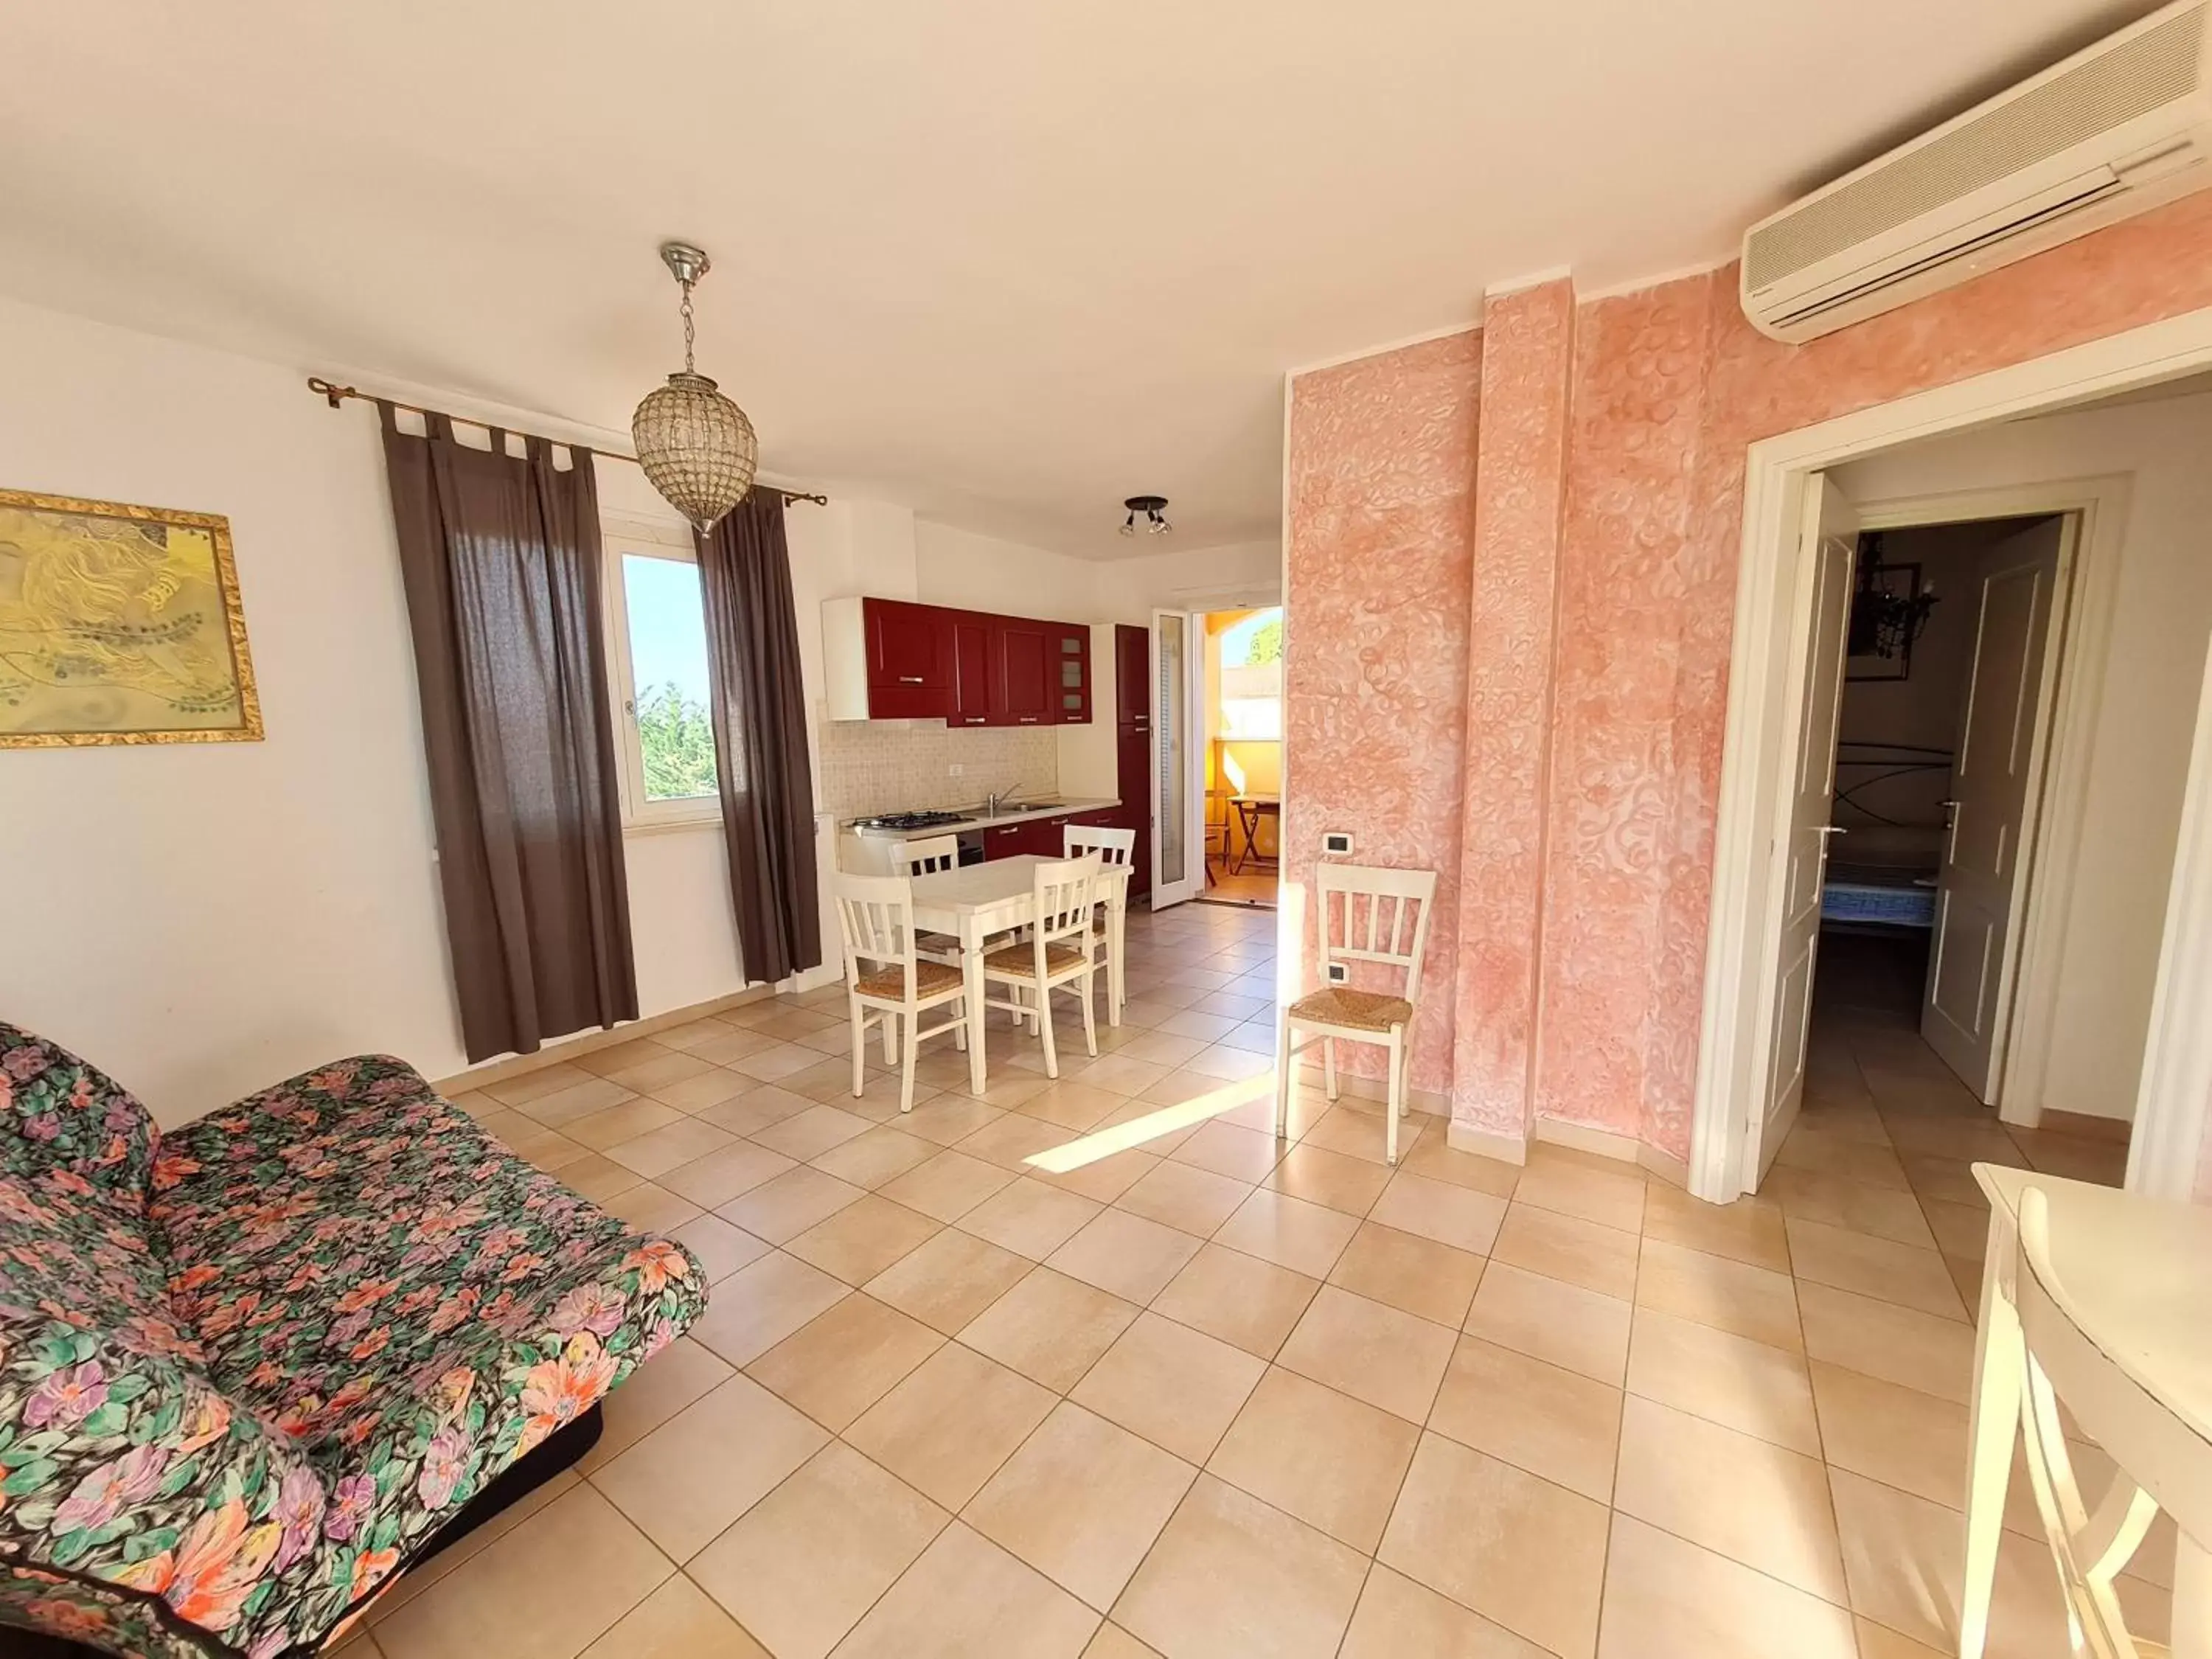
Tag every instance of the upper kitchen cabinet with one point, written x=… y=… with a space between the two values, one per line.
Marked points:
x=971 y=670
x=889 y=659
x=886 y=660
x=1071 y=669
x=1023 y=678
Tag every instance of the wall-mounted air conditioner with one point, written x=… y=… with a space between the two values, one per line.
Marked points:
x=2111 y=131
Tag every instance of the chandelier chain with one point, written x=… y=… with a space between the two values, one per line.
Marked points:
x=689 y=332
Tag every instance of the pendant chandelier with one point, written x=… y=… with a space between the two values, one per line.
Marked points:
x=697 y=447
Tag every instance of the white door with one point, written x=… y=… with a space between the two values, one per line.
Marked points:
x=1831 y=539
x=1983 y=878
x=1178 y=791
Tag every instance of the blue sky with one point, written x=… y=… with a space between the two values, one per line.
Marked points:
x=667 y=626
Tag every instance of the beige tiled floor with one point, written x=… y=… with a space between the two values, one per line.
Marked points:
x=1212 y=1396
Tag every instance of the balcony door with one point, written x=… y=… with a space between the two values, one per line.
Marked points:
x=1178 y=793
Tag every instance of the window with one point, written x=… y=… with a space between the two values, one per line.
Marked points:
x=660 y=639
x=1252 y=677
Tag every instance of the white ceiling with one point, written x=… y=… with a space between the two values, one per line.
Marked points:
x=1006 y=260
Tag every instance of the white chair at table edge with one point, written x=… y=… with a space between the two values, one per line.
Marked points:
x=1066 y=892
x=1116 y=850
x=2054 y=1359
x=927 y=856
x=875 y=915
x=1340 y=1013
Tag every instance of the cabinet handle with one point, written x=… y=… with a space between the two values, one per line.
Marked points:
x=910 y=679
x=1028 y=720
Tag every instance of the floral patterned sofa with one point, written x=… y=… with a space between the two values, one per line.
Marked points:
x=251 y=1368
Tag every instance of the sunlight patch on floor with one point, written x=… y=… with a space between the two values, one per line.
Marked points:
x=1104 y=1143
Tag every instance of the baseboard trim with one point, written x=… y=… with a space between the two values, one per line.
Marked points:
x=1612 y=1144
x=1581 y=1137
x=585 y=1042
x=1486 y=1143
x=1432 y=1101
x=2084 y=1125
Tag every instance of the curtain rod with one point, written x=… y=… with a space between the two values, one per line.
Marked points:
x=336 y=396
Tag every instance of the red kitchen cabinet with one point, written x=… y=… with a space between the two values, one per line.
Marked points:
x=1133 y=783
x=1071 y=669
x=1132 y=675
x=971 y=670
x=1004 y=840
x=894 y=659
x=909 y=645
x=1022 y=653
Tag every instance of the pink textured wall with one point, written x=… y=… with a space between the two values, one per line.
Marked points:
x=1668 y=388
x=1527 y=363
x=1382 y=488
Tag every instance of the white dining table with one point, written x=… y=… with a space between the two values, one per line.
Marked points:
x=976 y=901
x=2137 y=1272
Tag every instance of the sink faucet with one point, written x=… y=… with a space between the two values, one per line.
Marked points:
x=995 y=800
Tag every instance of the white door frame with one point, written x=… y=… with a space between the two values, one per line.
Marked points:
x=2067 y=705
x=1193 y=885
x=1766 y=653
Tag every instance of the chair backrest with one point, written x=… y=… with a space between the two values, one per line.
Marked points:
x=875 y=915
x=1067 y=888
x=1367 y=914
x=1114 y=846
x=926 y=857
x=2093 y=1538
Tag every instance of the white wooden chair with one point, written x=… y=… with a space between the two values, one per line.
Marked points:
x=2054 y=1359
x=1061 y=949
x=1362 y=914
x=926 y=857
x=1116 y=850
x=884 y=972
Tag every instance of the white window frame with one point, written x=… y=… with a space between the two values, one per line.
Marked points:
x=645 y=539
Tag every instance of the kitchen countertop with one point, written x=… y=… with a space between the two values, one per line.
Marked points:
x=979 y=819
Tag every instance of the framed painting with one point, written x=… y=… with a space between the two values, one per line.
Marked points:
x=119 y=624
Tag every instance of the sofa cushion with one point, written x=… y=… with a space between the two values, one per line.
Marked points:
x=228 y=1422
x=70 y=1116
x=346 y=1245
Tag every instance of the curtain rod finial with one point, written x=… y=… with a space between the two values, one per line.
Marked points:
x=334 y=395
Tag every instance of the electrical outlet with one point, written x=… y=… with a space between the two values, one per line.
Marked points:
x=1337 y=841
x=955 y=769
x=1338 y=973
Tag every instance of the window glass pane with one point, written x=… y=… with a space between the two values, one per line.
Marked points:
x=668 y=665
x=1252 y=677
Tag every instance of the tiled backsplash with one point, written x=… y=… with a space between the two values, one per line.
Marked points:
x=890 y=766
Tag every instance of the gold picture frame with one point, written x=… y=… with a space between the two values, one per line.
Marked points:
x=119 y=624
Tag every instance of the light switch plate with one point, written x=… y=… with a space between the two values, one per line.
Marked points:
x=1337 y=841
x=1338 y=973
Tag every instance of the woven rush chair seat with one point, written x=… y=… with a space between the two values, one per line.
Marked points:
x=1358 y=1011
x=929 y=977
x=1021 y=960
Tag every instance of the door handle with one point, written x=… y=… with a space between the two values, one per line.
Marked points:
x=1832 y=830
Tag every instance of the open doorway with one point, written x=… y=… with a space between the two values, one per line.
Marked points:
x=1952 y=642
x=1243 y=755
x=1954 y=896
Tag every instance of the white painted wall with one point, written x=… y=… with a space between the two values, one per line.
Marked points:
x=202 y=920
x=2162 y=620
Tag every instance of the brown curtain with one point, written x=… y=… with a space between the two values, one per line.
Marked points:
x=500 y=556
x=760 y=738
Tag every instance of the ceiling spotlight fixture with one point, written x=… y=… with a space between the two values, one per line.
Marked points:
x=695 y=446
x=1152 y=509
